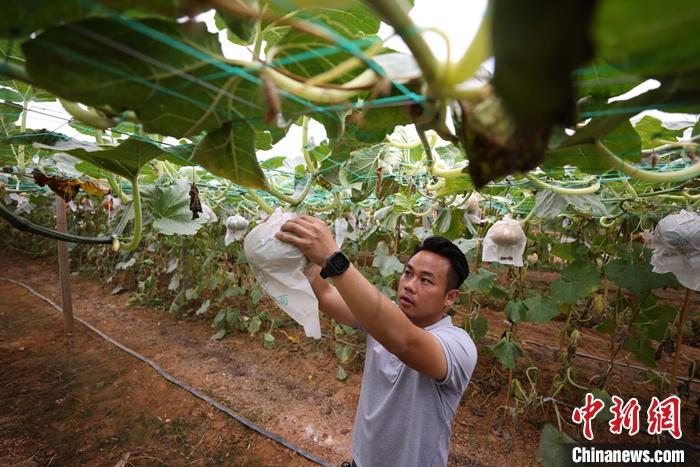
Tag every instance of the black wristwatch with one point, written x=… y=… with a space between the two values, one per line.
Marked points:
x=336 y=264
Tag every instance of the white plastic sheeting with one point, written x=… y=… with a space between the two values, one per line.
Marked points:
x=676 y=248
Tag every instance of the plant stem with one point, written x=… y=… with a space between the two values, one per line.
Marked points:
x=630 y=189
x=261 y=202
x=258 y=39
x=431 y=134
x=310 y=165
x=116 y=188
x=324 y=95
x=635 y=313
x=427 y=148
x=478 y=51
x=344 y=67
x=395 y=14
x=528 y=218
x=454 y=172
x=132 y=244
x=510 y=371
x=21 y=163
x=633 y=171
x=243 y=9
x=562 y=190
x=294 y=200
x=679 y=337
x=89 y=116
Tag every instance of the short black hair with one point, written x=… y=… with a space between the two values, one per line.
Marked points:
x=459 y=268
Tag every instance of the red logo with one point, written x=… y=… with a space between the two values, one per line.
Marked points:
x=587 y=413
x=625 y=416
x=662 y=416
x=665 y=416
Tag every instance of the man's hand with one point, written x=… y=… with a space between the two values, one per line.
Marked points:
x=311 y=236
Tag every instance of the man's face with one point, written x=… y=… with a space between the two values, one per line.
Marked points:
x=423 y=291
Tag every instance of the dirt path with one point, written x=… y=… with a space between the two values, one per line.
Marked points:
x=77 y=401
x=290 y=389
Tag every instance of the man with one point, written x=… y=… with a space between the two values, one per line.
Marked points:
x=418 y=364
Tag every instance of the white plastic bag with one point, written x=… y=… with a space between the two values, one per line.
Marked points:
x=505 y=243
x=209 y=213
x=341 y=231
x=676 y=248
x=235 y=229
x=279 y=269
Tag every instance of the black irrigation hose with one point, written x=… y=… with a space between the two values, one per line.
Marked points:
x=183 y=385
x=23 y=224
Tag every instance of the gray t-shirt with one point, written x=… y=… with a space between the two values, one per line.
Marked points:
x=404 y=418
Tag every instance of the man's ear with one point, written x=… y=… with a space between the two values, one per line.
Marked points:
x=451 y=297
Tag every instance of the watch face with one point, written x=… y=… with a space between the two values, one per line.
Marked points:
x=338 y=261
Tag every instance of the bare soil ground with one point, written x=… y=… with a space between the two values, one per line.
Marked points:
x=69 y=400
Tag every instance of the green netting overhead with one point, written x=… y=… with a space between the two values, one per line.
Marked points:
x=146 y=70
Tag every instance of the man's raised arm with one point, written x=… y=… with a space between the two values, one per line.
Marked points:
x=329 y=300
x=380 y=317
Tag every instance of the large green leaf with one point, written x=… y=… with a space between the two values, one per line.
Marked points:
x=28 y=92
x=655 y=320
x=642 y=348
x=578 y=280
x=636 y=277
x=481 y=280
x=10 y=95
x=567 y=251
x=453 y=186
x=126 y=160
x=537 y=45
x=540 y=309
x=514 y=311
x=25 y=139
x=386 y=263
x=306 y=55
x=9 y=113
x=650 y=38
x=376 y=123
x=622 y=140
x=611 y=124
x=506 y=351
x=169 y=208
x=495 y=146
x=240 y=30
x=22 y=17
x=653 y=133
x=172 y=75
x=333 y=155
x=362 y=165
x=44 y=137
x=553 y=450
x=229 y=152
x=600 y=81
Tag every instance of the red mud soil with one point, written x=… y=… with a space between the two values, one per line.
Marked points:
x=80 y=400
